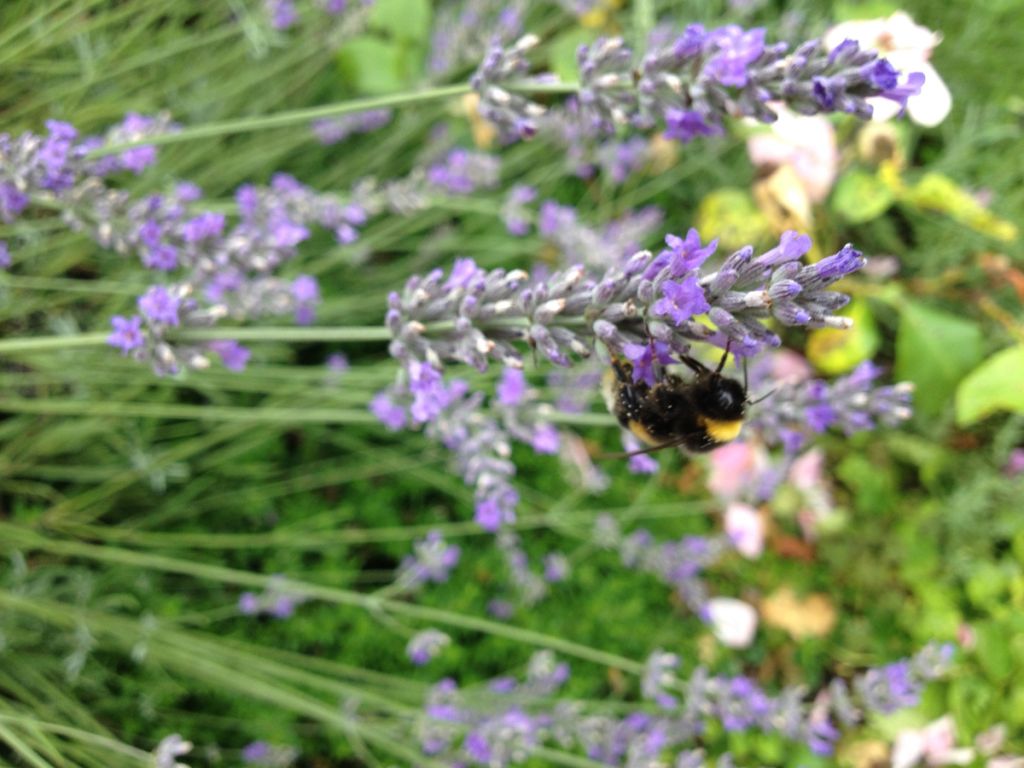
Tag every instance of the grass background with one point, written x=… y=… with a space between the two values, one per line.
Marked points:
x=128 y=538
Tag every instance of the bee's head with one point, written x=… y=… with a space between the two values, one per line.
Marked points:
x=720 y=398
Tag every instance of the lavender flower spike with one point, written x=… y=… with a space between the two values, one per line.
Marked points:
x=697 y=81
x=500 y=67
x=473 y=316
x=852 y=404
x=426 y=645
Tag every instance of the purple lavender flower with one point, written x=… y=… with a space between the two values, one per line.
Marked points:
x=5 y=255
x=496 y=507
x=602 y=247
x=681 y=300
x=337 y=363
x=333 y=130
x=514 y=212
x=645 y=358
x=159 y=306
x=269 y=755
x=511 y=388
x=607 y=96
x=639 y=463
x=282 y=13
x=12 y=201
x=621 y=159
x=275 y=601
x=530 y=586
x=546 y=439
x=282 y=607
x=54 y=156
x=902 y=92
x=306 y=292
x=462 y=172
x=678 y=564
x=569 y=312
x=731 y=51
x=432 y=561
x=390 y=413
x=688 y=253
x=463 y=32
x=136 y=127
x=684 y=125
x=495 y=730
x=692 y=84
x=205 y=225
x=501 y=66
x=248 y=604
x=852 y=404
x=426 y=645
x=659 y=674
x=430 y=394
x=234 y=356
x=556 y=567
x=255 y=751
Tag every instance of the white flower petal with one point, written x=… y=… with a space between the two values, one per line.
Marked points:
x=907 y=35
x=908 y=749
x=931 y=106
x=733 y=622
x=745 y=529
x=961 y=756
x=866 y=32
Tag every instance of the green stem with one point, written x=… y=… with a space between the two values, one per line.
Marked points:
x=291 y=117
x=144 y=758
x=348 y=333
x=351 y=334
x=644 y=18
x=17 y=536
x=356 y=333
x=181 y=411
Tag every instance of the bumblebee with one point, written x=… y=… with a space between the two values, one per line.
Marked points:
x=698 y=415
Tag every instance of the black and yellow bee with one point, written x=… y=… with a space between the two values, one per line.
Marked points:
x=698 y=415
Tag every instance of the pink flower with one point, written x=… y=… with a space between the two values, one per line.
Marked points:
x=745 y=528
x=807 y=471
x=735 y=467
x=966 y=636
x=807 y=475
x=934 y=744
x=789 y=367
x=733 y=621
x=807 y=144
x=907 y=46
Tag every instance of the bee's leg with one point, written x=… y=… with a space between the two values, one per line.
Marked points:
x=698 y=367
x=693 y=364
x=623 y=371
x=725 y=355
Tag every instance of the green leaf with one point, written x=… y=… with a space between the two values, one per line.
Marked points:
x=407 y=20
x=836 y=351
x=934 y=350
x=874 y=486
x=562 y=56
x=986 y=585
x=995 y=385
x=731 y=215
x=935 y=192
x=860 y=196
x=850 y=10
x=373 y=66
x=993 y=651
